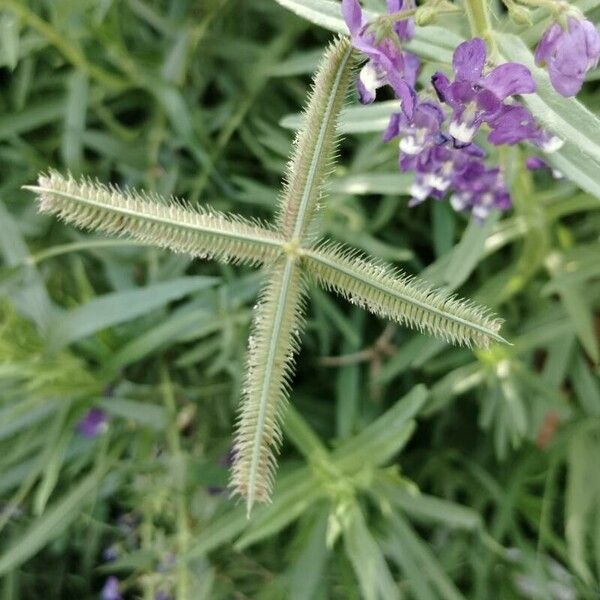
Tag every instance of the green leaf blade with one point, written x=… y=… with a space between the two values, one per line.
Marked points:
x=118 y=307
x=579 y=128
x=56 y=519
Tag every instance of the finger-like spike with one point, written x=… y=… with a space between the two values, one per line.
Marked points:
x=149 y=219
x=315 y=144
x=277 y=324
x=389 y=293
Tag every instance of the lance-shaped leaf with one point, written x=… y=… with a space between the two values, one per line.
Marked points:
x=390 y=293
x=271 y=349
x=316 y=142
x=431 y=42
x=200 y=232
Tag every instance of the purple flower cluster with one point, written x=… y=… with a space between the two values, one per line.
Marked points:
x=440 y=166
x=445 y=160
x=442 y=154
x=569 y=52
x=476 y=99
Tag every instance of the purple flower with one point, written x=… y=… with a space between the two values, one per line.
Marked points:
x=569 y=54
x=419 y=132
x=435 y=169
x=535 y=163
x=387 y=64
x=93 y=423
x=479 y=190
x=476 y=98
x=442 y=168
x=514 y=124
x=110 y=591
x=111 y=553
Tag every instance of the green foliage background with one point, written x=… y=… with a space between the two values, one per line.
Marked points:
x=409 y=468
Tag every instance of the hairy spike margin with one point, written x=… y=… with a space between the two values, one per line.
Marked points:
x=147 y=218
x=316 y=141
x=271 y=348
x=390 y=293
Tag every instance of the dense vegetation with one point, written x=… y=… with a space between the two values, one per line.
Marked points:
x=409 y=467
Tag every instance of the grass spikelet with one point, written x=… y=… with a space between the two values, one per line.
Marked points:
x=147 y=218
x=271 y=348
x=390 y=293
x=316 y=142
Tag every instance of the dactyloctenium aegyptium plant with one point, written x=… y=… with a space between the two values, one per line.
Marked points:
x=291 y=251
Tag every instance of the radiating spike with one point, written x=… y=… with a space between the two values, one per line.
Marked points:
x=389 y=293
x=202 y=232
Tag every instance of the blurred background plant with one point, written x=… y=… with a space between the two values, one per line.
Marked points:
x=410 y=468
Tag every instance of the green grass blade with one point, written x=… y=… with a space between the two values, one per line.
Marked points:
x=429 y=568
x=56 y=519
x=368 y=561
x=307 y=569
x=119 y=307
x=384 y=437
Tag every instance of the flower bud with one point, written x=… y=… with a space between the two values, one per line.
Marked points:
x=519 y=15
x=425 y=15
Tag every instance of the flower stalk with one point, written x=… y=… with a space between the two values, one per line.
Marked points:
x=480 y=22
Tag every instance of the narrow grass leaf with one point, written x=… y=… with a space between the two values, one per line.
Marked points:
x=393 y=184
x=176 y=326
x=368 y=562
x=576 y=306
x=428 y=567
x=307 y=568
x=385 y=436
x=54 y=521
x=372 y=118
x=429 y=509
x=74 y=119
x=9 y=40
x=143 y=413
x=587 y=386
x=31 y=297
x=119 y=307
x=468 y=252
